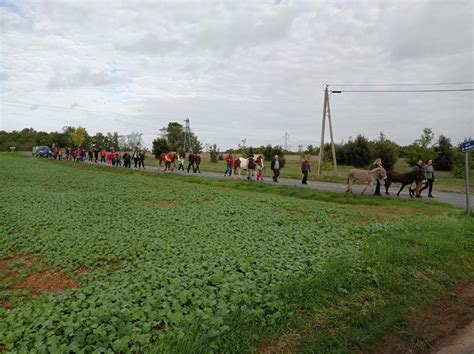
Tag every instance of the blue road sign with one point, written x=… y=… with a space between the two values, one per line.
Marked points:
x=467 y=146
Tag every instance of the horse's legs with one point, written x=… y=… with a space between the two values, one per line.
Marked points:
x=401 y=188
x=349 y=185
x=366 y=186
x=387 y=185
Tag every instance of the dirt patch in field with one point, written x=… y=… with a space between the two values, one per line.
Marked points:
x=26 y=272
x=437 y=326
x=286 y=343
x=47 y=281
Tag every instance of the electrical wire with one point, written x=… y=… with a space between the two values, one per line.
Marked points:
x=410 y=84
x=440 y=90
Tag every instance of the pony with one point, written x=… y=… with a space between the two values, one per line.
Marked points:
x=172 y=156
x=404 y=178
x=364 y=176
x=241 y=164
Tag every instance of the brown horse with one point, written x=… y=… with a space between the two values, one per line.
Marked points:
x=171 y=156
x=404 y=178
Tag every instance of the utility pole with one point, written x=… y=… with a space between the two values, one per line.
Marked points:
x=187 y=136
x=327 y=113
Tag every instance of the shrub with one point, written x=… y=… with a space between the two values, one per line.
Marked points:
x=444 y=154
x=358 y=152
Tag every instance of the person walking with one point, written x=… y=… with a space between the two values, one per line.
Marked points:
x=229 y=159
x=135 y=159
x=259 y=162
x=197 y=162
x=418 y=168
x=96 y=155
x=376 y=164
x=118 y=159
x=103 y=154
x=126 y=160
x=181 y=163
x=251 y=168
x=91 y=155
x=191 y=160
x=276 y=167
x=305 y=169
x=430 y=178
x=141 y=159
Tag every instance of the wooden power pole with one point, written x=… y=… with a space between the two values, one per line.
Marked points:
x=327 y=113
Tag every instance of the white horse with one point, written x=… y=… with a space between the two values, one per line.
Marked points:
x=241 y=164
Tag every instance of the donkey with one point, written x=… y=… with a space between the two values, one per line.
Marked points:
x=364 y=176
x=404 y=178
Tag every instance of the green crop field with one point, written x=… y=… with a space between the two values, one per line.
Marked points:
x=164 y=263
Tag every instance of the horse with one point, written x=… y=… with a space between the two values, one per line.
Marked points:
x=172 y=156
x=242 y=163
x=404 y=178
x=364 y=176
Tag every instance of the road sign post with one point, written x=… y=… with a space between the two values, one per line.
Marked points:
x=465 y=148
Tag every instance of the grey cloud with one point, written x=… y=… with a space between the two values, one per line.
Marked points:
x=437 y=28
x=150 y=44
x=85 y=78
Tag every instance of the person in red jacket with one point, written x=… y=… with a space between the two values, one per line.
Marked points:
x=229 y=159
x=103 y=154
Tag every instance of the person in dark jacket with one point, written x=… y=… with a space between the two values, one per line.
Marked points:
x=191 y=159
x=141 y=159
x=126 y=160
x=251 y=168
x=418 y=168
x=276 y=167
x=430 y=178
x=135 y=159
x=197 y=162
x=305 y=169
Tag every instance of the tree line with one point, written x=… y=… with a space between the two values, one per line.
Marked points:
x=26 y=139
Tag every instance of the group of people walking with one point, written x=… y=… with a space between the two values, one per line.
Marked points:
x=424 y=177
x=111 y=157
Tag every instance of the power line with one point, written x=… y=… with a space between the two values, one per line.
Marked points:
x=440 y=90
x=61 y=109
x=411 y=84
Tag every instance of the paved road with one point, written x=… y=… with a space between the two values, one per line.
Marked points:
x=456 y=199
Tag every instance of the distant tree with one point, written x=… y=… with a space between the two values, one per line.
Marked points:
x=100 y=141
x=426 y=138
x=174 y=135
x=444 y=154
x=358 y=152
x=386 y=150
x=160 y=145
x=134 y=140
x=78 y=136
x=214 y=153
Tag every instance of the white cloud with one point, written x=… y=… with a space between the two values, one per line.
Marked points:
x=237 y=69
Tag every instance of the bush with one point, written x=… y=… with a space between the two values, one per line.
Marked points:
x=160 y=145
x=214 y=153
x=444 y=155
x=416 y=152
x=387 y=151
x=358 y=152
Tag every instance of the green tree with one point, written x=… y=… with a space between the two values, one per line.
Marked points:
x=174 y=135
x=214 y=153
x=78 y=136
x=444 y=154
x=358 y=152
x=159 y=146
x=426 y=138
x=386 y=150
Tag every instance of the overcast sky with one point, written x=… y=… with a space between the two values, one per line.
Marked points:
x=237 y=69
